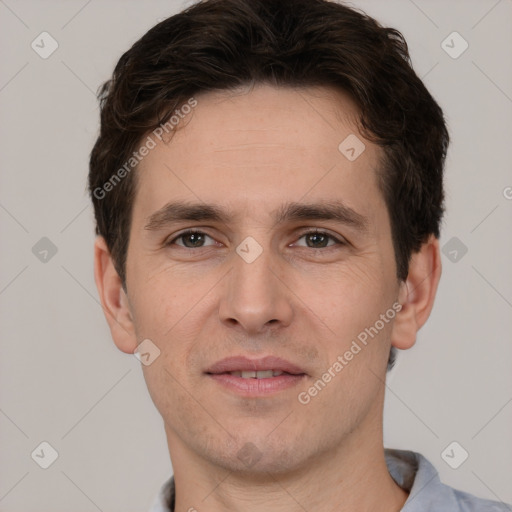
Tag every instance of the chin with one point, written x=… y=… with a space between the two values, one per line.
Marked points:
x=257 y=456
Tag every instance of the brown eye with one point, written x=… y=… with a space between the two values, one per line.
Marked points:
x=319 y=239
x=190 y=239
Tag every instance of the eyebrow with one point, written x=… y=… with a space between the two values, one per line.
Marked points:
x=176 y=211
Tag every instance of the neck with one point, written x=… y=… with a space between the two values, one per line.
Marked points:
x=352 y=477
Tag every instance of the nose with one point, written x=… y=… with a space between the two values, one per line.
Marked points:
x=255 y=298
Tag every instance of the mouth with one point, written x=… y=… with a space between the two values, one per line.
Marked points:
x=256 y=377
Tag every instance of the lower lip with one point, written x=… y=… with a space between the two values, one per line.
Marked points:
x=257 y=387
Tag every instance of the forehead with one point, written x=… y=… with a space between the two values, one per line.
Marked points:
x=285 y=121
x=259 y=146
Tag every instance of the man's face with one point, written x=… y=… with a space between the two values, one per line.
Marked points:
x=304 y=298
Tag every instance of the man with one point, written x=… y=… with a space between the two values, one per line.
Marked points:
x=267 y=186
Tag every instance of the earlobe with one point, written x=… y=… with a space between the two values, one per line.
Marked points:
x=417 y=294
x=113 y=298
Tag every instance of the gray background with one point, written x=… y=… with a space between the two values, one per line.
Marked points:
x=63 y=381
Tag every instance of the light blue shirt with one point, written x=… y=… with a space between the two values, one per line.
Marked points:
x=413 y=473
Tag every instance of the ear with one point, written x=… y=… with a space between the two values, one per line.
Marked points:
x=417 y=294
x=114 y=300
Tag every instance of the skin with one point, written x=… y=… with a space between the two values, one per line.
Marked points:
x=304 y=300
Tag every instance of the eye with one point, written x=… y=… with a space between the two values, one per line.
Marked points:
x=320 y=239
x=191 y=239
x=194 y=239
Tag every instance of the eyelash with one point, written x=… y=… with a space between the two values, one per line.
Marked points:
x=306 y=233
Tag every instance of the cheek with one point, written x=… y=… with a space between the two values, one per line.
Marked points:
x=176 y=313
x=349 y=295
x=172 y=321
x=161 y=299
x=355 y=345
x=170 y=392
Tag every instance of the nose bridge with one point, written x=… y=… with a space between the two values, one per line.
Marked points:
x=255 y=297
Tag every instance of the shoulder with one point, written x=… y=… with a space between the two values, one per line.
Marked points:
x=415 y=474
x=470 y=503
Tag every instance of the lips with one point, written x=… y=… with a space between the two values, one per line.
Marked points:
x=263 y=368
x=261 y=378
